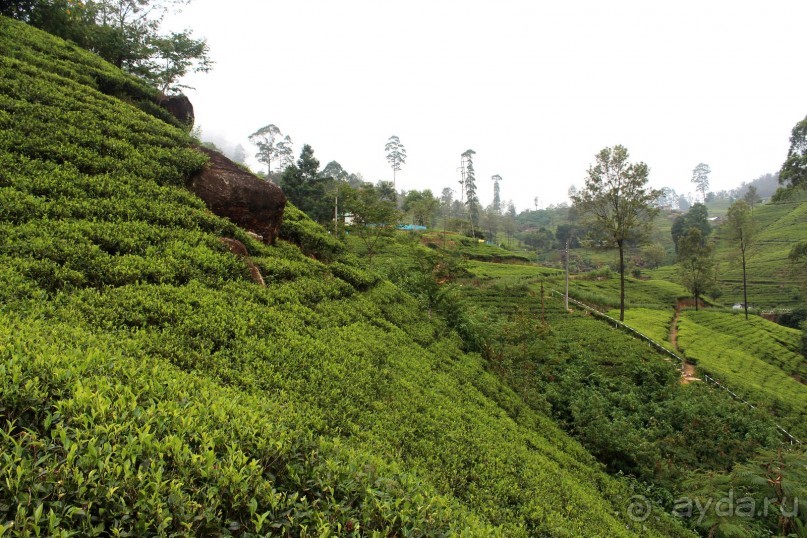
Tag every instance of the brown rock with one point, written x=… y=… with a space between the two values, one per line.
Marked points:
x=239 y=249
x=233 y=193
x=180 y=107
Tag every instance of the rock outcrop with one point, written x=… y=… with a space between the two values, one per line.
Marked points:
x=180 y=107
x=232 y=192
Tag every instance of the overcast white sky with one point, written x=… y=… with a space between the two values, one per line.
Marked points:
x=535 y=88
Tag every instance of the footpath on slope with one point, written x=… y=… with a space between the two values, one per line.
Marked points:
x=688 y=369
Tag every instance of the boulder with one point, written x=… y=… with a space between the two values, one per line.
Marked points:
x=180 y=107
x=233 y=193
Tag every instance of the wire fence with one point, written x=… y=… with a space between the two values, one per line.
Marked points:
x=636 y=334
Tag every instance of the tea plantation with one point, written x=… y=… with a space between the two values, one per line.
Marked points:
x=149 y=388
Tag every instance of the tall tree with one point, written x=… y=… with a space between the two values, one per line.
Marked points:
x=700 y=177
x=696 y=264
x=497 y=202
x=751 y=197
x=471 y=200
x=794 y=169
x=741 y=230
x=265 y=139
x=284 y=152
x=396 y=155
x=618 y=202
x=446 y=200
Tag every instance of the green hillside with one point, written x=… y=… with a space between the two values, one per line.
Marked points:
x=149 y=387
x=757 y=358
x=770 y=283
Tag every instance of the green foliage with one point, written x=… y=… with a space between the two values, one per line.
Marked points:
x=756 y=358
x=696 y=217
x=696 y=264
x=374 y=216
x=794 y=169
x=306 y=188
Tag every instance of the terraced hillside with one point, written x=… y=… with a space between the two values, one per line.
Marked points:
x=770 y=282
x=149 y=387
x=757 y=358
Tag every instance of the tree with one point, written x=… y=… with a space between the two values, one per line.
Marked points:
x=497 y=203
x=740 y=230
x=272 y=147
x=471 y=199
x=421 y=205
x=239 y=154
x=619 y=204
x=697 y=216
x=306 y=188
x=794 y=169
x=696 y=264
x=336 y=177
x=396 y=155
x=265 y=138
x=374 y=216
x=700 y=177
x=285 y=152
x=170 y=58
x=652 y=254
x=446 y=200
x=751 y=197
x=510 y=221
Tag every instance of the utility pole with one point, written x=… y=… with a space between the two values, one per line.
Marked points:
x=336 y=213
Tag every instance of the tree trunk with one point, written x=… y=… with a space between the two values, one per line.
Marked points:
x=745 y=287
x=621 y=280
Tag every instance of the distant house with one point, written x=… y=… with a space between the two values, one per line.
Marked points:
x=412 y=227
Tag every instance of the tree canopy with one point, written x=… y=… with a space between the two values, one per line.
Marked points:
x=618 y=203
x=696 y=217
x=794 y=169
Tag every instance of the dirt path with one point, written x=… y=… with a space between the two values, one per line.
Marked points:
x=688 y=375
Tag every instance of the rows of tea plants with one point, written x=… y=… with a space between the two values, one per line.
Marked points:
x=150 y=388
x=749 y=359
x=638 y=293
x=651 y=322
